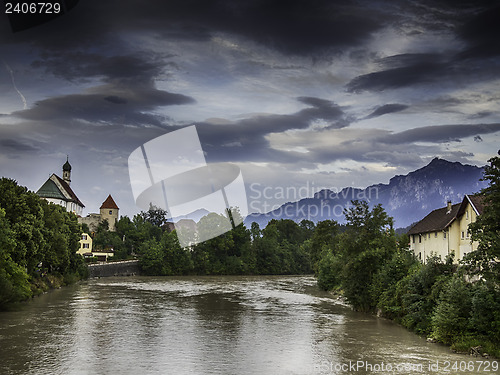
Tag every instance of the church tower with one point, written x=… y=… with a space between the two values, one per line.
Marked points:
x=109 y=211
x=67 y=172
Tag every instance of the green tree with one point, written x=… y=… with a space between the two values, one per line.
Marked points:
x=419 y=292
x=485 y=311
x=323 y=239
x=486 y=229
x=329 y=270
x=367 y=243
x=61 y=233
x=384 y=286
x=25 y=215
x=452 y=312
x=14 y=284
x=151 y=260
x=155 y=215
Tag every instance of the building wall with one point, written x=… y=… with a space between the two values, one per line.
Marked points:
x=111 y=215
x=68 y=206
x=85 y=244
x=431 y=243
x=92 y=220
x=443 y=243
x=464 y=245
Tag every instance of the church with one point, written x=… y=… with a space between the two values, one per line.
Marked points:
x=57 y=190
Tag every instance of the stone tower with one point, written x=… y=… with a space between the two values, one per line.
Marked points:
x=67 y=172
x=109 y=211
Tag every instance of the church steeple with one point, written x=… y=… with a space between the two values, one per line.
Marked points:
x=67 y=171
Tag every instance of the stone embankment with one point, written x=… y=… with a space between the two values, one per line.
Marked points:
x=124 y=268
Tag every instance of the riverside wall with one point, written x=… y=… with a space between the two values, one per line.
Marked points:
x=124 y=268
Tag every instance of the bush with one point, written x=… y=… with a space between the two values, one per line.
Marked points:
x=451 y=315
x=329 y=271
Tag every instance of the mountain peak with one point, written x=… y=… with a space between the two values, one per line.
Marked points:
x=407 y=198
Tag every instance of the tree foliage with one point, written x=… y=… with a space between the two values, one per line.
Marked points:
x=375 y=271
x=36 y=237
x=486 y=230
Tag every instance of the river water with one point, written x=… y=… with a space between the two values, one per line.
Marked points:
x=210 y=325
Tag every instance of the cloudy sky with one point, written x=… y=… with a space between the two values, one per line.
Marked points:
x=309 y=94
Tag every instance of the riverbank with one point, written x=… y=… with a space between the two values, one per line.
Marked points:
x=477 y=347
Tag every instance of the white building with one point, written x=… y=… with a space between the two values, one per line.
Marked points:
x=57 y=190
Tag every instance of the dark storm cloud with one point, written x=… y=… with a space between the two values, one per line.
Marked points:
x=128 y=95
x=128 y=109
x=124 y=69
x=15 y=145
x=439 y=133
x=245 y=139
x=386 y=109
x=411 y=75
x=480 y=30
x=293 y=26
x=482 y=33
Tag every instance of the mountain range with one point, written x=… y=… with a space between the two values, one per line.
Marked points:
x=407 y=198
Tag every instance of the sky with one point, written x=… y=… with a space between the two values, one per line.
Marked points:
x=300 y=95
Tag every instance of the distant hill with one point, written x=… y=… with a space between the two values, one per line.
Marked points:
x=195 y=215
x=406 y=198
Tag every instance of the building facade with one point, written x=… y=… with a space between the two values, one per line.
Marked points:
x=444 y=231
x=85 y=245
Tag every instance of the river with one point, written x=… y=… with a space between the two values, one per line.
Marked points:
x=210 y=325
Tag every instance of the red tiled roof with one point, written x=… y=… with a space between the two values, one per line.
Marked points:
x=109 y=203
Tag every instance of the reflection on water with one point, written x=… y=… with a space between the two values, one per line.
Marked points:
x=206 y=325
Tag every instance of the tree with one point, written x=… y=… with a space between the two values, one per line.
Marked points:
x=486 y=229
x=365 y=246
x=323 y=239
x=14 y=285
x=155 y=215
x=451 y=315
x=24 y=212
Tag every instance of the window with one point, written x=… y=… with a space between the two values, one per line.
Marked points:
x=467 y=215
x=462 y=235
x=86 y=246
x=419 y=238
x=435 y=234
x=413 y=238
x=444 y=234
x=84 y=236
x=110 y=212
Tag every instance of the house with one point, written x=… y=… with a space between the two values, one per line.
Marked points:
x=445 y=231
x=87 y=251
x=85 y=245
x=57 y=190
x=108 y=211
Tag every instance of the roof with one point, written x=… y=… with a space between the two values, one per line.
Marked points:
x=68 y=189
x=50 y=190
x=477 y=203
x=109 y=203
x=56 y=187
x=438 y=219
